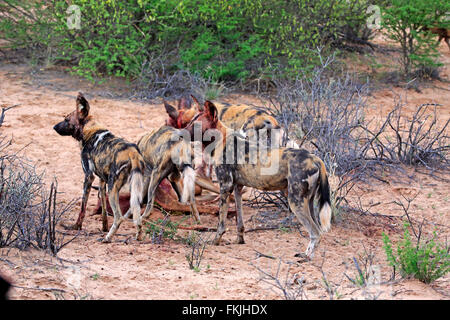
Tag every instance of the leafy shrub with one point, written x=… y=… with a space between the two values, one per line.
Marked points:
x=229 y=41
x=404 y=21
x=426 y=260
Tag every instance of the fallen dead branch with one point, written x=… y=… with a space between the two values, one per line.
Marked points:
x=39 y=289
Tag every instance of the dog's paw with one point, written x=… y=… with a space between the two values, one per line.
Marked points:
x=105 y=240
x=139 y=236
x=304 y=257
x=71 y=226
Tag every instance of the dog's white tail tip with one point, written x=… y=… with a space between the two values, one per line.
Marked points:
x=325 y=217
x=136 y=188
x=188 y=184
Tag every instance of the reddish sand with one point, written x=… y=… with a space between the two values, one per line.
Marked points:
x=88 y=269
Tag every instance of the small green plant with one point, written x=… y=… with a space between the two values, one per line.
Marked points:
x=162 y=229
x=285 y=229
x=193 y=296
x=214 y=91
x=425 y=260
x=365 y=268
x=197 y=245
x=95 y=276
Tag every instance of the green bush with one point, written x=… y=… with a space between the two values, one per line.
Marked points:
x=233 y=40
x=404 y=20
x=426 y=260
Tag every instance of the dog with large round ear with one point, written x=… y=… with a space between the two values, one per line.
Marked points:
x=197 y=104
x=173 y=114
x=184 y=103
x=211 y=112
x=179 y=118
x=82 y=106
x=207 y=119
x=73 y=123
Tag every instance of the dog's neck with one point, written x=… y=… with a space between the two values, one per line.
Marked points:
x=224 y=130
x=89 y=127
x=227 y=133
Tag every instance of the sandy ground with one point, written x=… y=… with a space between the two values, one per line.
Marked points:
x=87 y=269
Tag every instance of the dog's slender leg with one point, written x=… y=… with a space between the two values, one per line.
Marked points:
x=150 y=195
x=88 y=179
x=194 y=209
x=239 y=221
x=223 y=211
x=300 y=207
x=225 y=177
x=114 y=203
x=156 y=178
x=104 y=206
x=174 y=179
x=115 y=206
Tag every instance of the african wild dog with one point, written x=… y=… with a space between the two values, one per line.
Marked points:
x=238 y=117
x=181 y=116
x=170 y=157
x=114 y=160
x=301 y=174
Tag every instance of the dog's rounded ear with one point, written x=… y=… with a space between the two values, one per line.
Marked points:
x=171 y=111
x=82 y=105
x=197 y=104
x=184 y=103
x=211 y=110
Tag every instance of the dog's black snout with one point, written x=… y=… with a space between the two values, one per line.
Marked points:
x=62 y=128
x=57 y=127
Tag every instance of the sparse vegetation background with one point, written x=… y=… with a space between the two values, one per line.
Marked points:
x=229 y=41
x=317 y=65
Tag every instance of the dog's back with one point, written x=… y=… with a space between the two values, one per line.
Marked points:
x=168 y=156
x=107 y=155
x=244 y=117
x=157 y=146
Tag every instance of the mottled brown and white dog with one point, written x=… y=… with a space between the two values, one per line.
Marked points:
x=168 y=156
x=239 y=117
x=299 y=173
x=112 y=159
